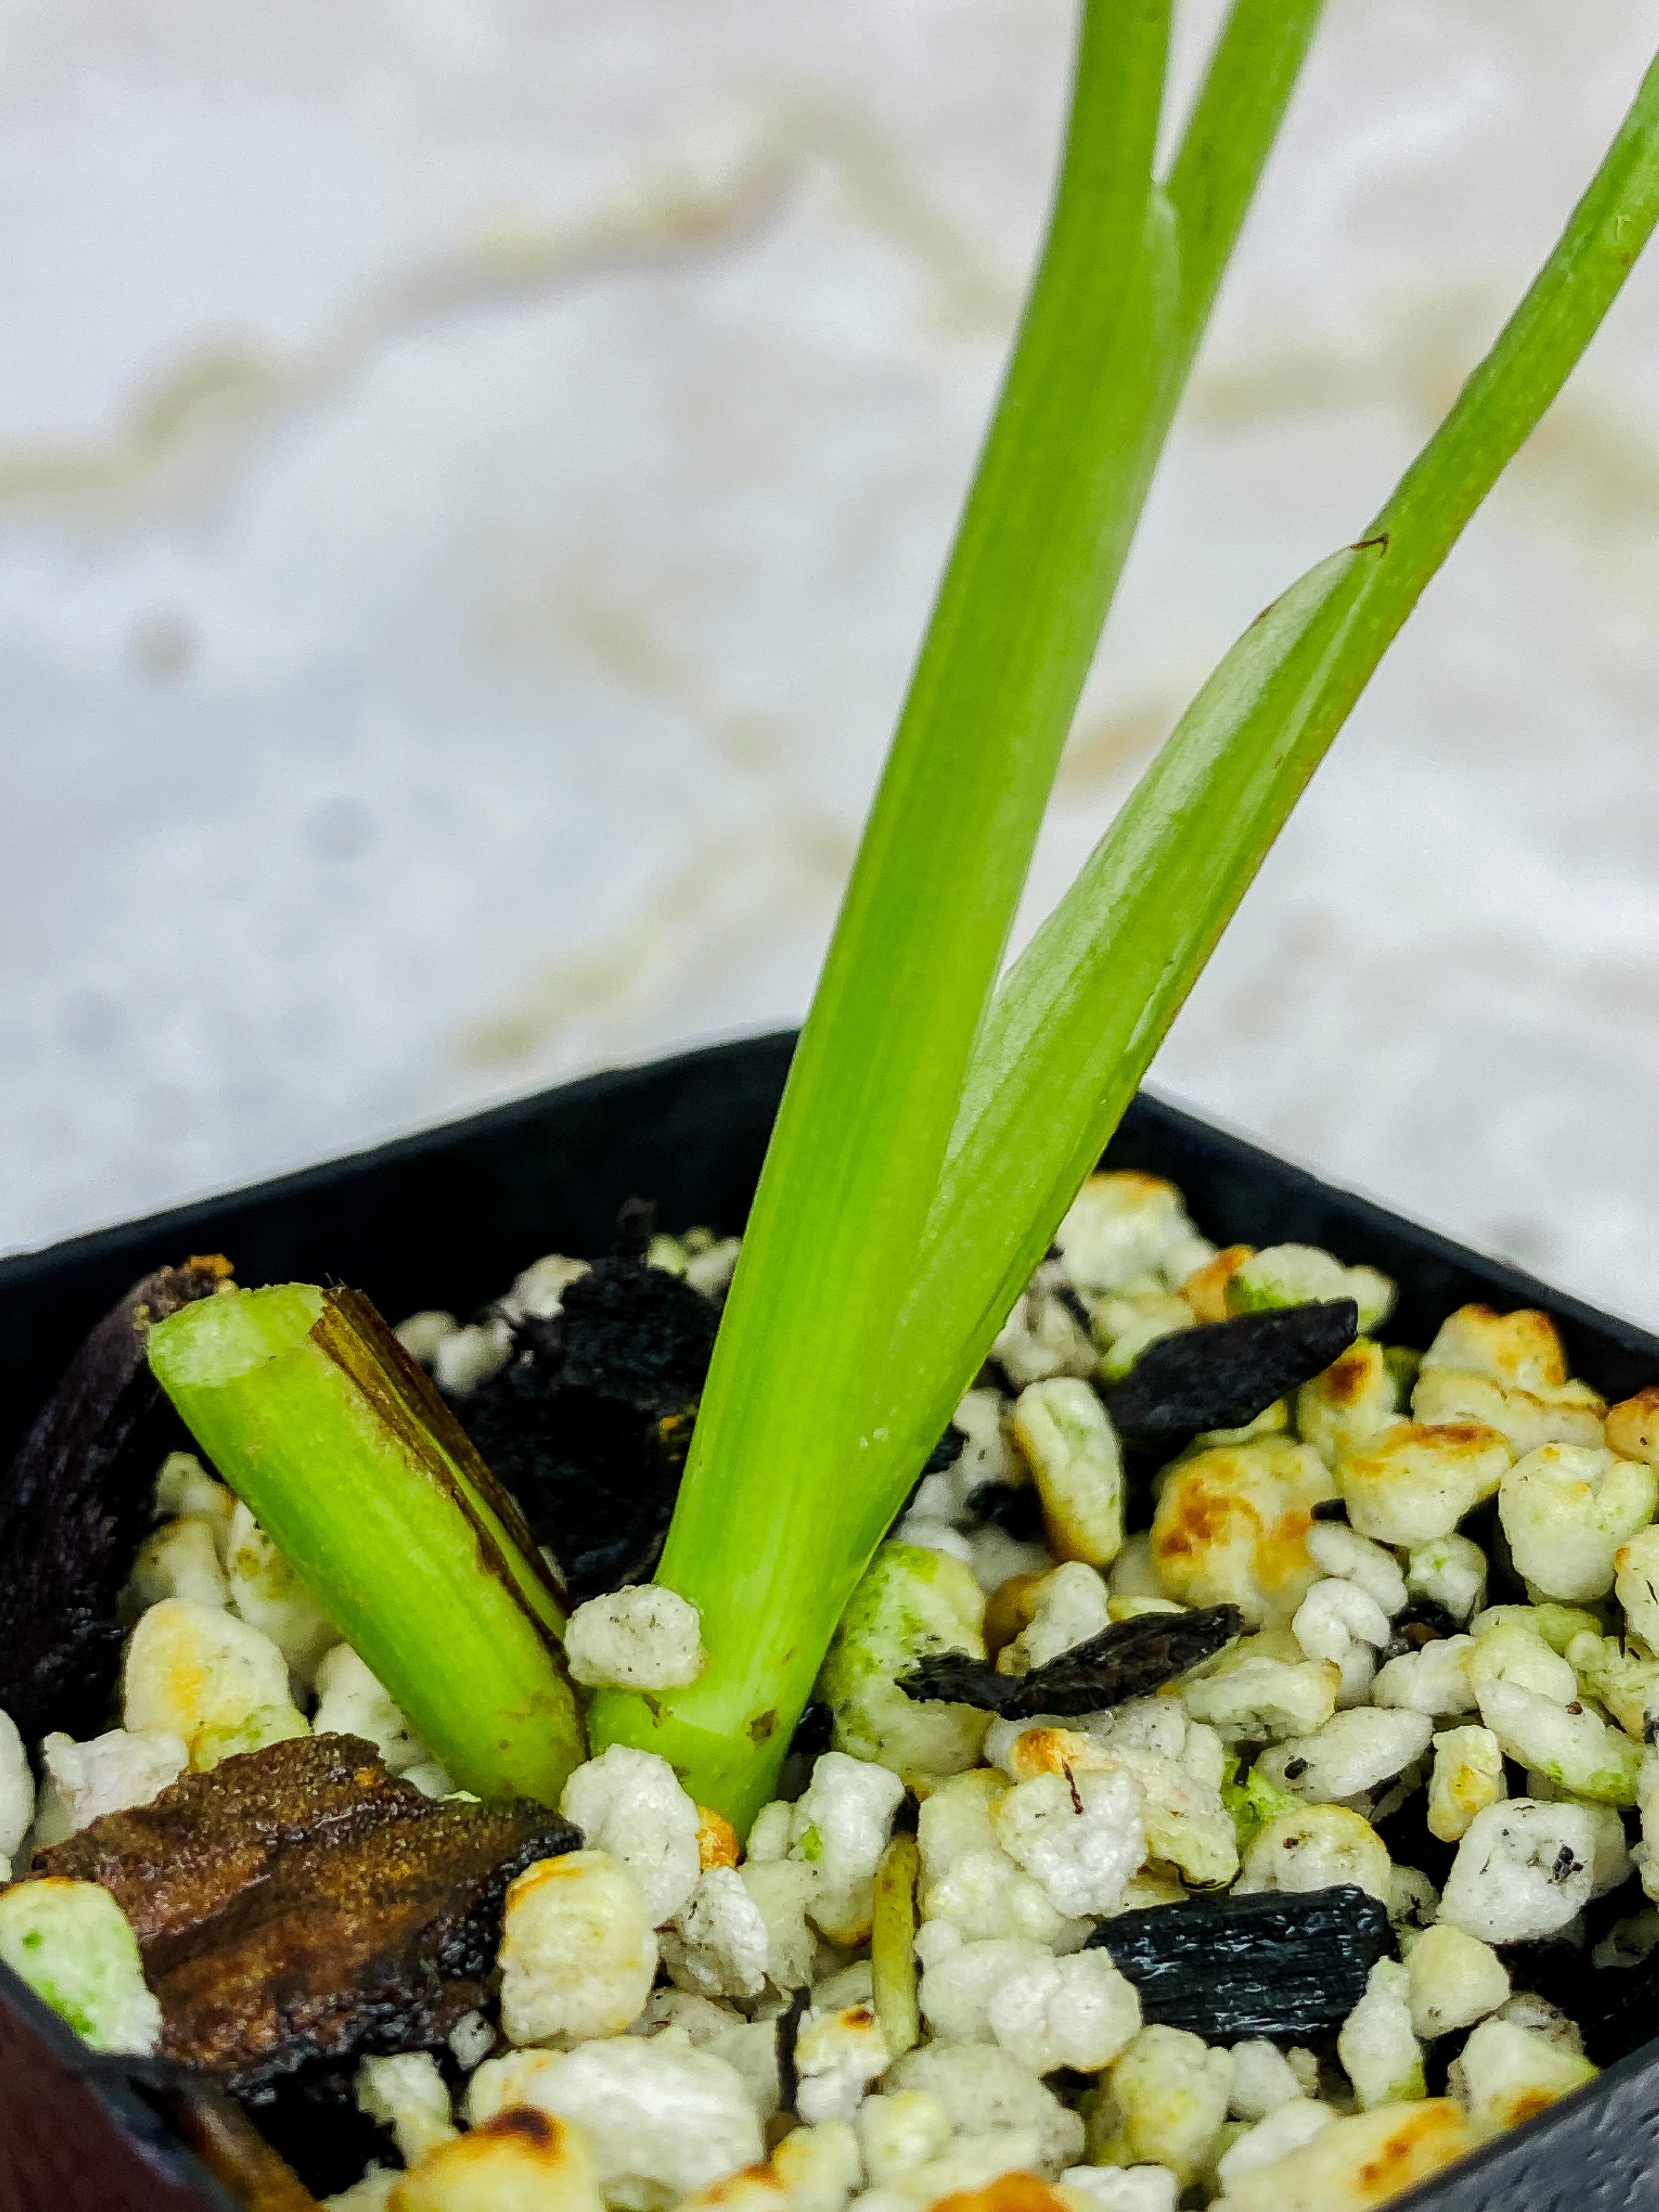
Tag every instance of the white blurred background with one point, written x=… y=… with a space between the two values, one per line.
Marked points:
x=473 y=473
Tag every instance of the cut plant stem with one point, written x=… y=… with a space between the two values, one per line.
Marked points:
x=321 y=1422
x=873 y=1094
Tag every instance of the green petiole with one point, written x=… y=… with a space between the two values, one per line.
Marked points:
x=784 y=1437
x=1224 y=149
x=317 y=1417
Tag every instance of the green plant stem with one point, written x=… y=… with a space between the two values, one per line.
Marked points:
x=1086 y=1006
x=1226 y=142
x=320 y=1421
x=873 y=1091
x=785 y=1437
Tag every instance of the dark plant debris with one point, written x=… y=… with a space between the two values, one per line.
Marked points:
x=636 y=1225
x=945 y=1453
x=790 y=2022
x=298 y=1906
x=311 y=2119
x=230 y=2145
x=1614 y=2006
x=1222 y=1374
x=1424 y=1622
x=76 y=1507
x=589 y=1423
x=1015 y=1507
x=1267 y=1963
x=813 y=1731
x=1130 y=1659
x=632 y=1334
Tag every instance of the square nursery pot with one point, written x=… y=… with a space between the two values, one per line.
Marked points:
x=445 y=1219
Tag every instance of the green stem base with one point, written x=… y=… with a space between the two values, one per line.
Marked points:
x=735 y=1773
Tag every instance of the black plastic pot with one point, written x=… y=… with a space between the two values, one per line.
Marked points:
x=446 y=1218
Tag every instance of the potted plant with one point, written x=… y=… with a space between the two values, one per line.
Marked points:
x=938 y=1118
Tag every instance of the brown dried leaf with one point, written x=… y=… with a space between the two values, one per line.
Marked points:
x=297 y=1904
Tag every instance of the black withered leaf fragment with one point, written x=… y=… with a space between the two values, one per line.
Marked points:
x=1130 y=1659
x=1271 y=1963
x=1225 y=1373
x=957 y=1678
x=75 y=1506
x=589 y=1422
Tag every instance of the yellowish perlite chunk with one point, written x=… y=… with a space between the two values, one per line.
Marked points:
x=1232 y=1528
